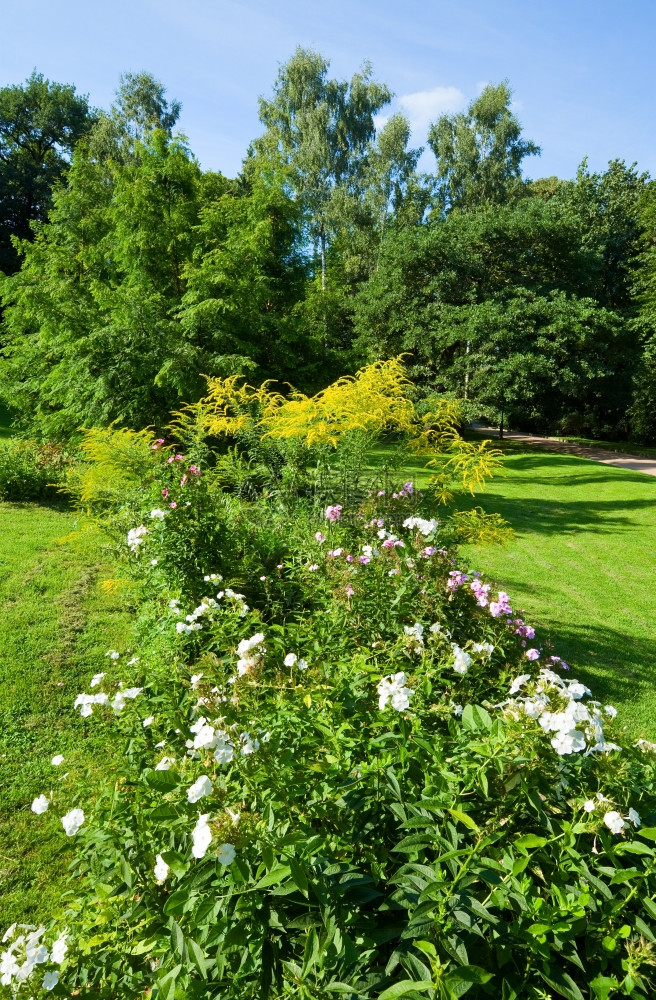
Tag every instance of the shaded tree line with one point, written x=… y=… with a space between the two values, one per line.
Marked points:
x=130 y=273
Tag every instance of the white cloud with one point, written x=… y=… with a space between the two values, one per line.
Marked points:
x=425 y=106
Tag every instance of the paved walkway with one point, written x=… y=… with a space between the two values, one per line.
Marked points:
x=633 y=462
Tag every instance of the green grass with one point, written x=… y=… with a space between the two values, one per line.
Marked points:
x=624 y=447
x=581 y=565
x=57 y=626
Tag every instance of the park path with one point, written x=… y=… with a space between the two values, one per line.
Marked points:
x=633 y=462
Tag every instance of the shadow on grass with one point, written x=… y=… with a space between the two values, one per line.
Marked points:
x=617 y=666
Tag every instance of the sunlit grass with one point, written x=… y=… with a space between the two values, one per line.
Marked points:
x=57 y=627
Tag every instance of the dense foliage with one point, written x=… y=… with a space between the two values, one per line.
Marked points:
x=350 y=767
x=141 y=273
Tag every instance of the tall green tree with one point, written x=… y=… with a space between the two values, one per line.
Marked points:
x=321 y=129
x=140 y=107
x=40 y=122
x=480 y=151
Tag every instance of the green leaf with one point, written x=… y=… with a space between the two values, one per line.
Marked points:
x=602 y=987
x=562 y=983
x=649 y=905
x=649 y=832
x=177 y=938
x=463 y=818
x=529 y=841
x=166 y=985
x=474 y=717
x=298 y=875
x=161 y=781
x=278 y=874
x=406 y=986
x=337 y=987
x=197 y=955
x=467 y=974
x=126 y=872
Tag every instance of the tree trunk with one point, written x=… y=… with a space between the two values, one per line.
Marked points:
x=323 y=258
x=501 y=427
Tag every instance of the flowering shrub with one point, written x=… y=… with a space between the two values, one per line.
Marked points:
x=29 y=471
x=351 y=768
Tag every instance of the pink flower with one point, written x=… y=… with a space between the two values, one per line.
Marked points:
x=173 y=505
x=532 y=654
x=334 y=512
x=170 y=459
x=349 y=558
x=408 y=487
x=157 y=443
x=364 y=560
x=184 y=479
x=381 y=493
x=430 y=550
x=335 y=553
x=319 y=537
x=179 y=458
x=165 y=492
x=194 y=470
x=313 y=567
x=349 y=590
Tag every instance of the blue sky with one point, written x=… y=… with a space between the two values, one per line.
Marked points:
x=582 y=70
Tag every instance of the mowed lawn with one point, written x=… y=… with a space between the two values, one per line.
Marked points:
x=57 y=625
x=583 y=566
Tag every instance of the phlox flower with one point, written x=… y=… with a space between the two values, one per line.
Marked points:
x=148 y=721
x=614 y=821
x=424 y=527
x=40 y=805
x=201 y=837
x=248 y=744
x=319 y=537
x=335 y=553
x=165 y=764
x=393 y=689
x=589 y=806
x=462 y=661
x=313 y=567
x=569 y=742
x=200 y=788
x=136 y=537
x=113 y=654
x=224 y=750
x=57 y=760
x=634 y=817
x=532 y=654
x=226 y=854
x=59 y=949
x=349 y=590
x=161 y=870
x=303 y=664
x=518 y=683
x=333 y=512
x=157 y=514
x=483 y=647
x=195 y=680
x=96 y=679
x=290 y=659
x=610 y=710
x=72 y=822
x=50 y=980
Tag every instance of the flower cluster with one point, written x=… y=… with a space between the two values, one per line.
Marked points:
x=557 y=706
x=25 y=952
x=251 y=652
x=394 y=690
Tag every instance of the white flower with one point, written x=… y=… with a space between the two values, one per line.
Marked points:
x=40 y=805
x=202 y=837
x=393 y=689
x=224 y=751
x=423 y=526
x=136 y=537
x=201 y=787
x=157 y=514
x=195 y=679
x=161 y=870
x=610 y=710
x=205 y=737
x=614 y=821
x=249 y=744
x=568 y=742
x=518 y=683
x=57 y=760
x=148 y=722
x=212 y=576
x=303 y=664
x=135 y=659
x=72 y=822
x=59 y=949
x=483 y=647
x=435 y=628
x=226 y=854
x=165 y=764
x=50 y=980
x=589 y=806
x=290 y=659
x=461 y=660
x=457 y=711
x=577 y=690
x=634 y=817
x=113 y=655
x=96 y=679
